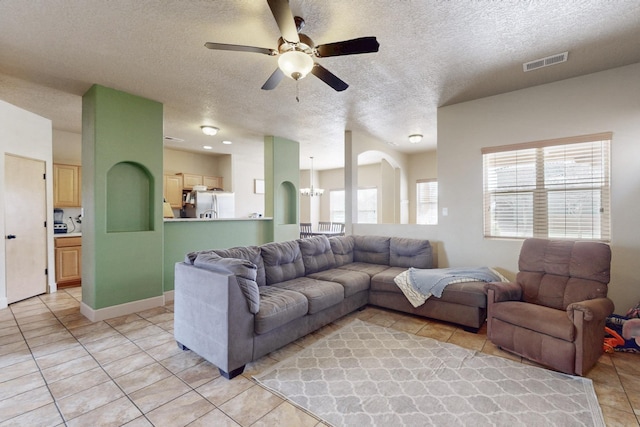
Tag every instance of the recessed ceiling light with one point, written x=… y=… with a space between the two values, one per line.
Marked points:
x=209 y=130
x=227 y=142
x=415 y=138
x=207 y=147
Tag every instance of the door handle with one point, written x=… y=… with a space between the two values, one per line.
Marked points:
x=11 y=236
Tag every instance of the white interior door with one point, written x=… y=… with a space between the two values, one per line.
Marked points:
x=26 y=234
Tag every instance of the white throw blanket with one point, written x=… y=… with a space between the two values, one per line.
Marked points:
x=419 y=284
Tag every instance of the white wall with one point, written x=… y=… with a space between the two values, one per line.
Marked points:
x=600 y=102
x=422 y=165
x=67 y=147
x=176 y=161
x=247 y=167
x=27 y=135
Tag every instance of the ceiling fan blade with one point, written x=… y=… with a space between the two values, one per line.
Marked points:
x=328 y=77
x=348 y=47
x=284 y=18
x=240 y=48
x=273 y=80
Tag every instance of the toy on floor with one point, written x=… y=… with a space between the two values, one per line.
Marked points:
x=622 y=334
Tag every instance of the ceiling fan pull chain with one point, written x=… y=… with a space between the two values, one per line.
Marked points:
x=297 y=90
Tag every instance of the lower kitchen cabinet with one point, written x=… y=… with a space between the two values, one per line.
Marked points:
x=68 y=261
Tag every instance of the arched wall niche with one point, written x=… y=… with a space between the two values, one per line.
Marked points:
x=287 y=199
x=130 y=194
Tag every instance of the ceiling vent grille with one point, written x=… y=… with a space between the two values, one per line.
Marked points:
x=545 y=62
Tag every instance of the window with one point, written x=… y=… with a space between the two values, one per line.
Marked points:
x=427 y=201
x=336 y=206
x=549 y=189
x=367 y=205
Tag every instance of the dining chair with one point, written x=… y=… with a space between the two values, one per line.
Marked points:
x=338 y=227
x=305 y=230
x=324 y=226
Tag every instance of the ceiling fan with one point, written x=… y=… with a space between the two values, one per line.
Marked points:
x=296 y=50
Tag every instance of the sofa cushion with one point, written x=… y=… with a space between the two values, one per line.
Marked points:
x=383 y=281
x=528 y=316
x=250 y=253
x=342 y=248
x=404 y=252
x=214 y=262
x=316 y=254
x=320 y=294
x=371 y=249
x=467 y=293
x=282 y=261
x=365 y=267
x=278 y=307
x=352 y=281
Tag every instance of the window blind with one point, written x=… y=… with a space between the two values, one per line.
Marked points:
x=427 y=201
x=554 y=189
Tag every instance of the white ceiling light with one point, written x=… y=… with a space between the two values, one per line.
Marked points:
x=311 y=191
x=295 y=64
x=209 y=130
x=415 y=138
x=225 y=142
x=207 y=147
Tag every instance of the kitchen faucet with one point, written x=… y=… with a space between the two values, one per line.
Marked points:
x=209 y=213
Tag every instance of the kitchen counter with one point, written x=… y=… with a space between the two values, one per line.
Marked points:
x=214 y=219
x=76 y=234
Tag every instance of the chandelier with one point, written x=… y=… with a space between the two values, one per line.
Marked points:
x=311 y=191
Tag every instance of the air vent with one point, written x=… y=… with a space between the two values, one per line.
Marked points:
x=545 y=62
x=172 y=139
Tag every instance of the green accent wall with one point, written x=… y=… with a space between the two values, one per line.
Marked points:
x=282 y=183
x=182 y=237
x=122 y=171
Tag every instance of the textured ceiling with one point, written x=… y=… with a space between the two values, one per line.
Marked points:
x=432 y=53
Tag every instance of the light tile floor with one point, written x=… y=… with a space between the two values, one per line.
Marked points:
x=58 y=368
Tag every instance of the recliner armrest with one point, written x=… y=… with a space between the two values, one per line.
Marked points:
x=597 y=308
x=504 y=291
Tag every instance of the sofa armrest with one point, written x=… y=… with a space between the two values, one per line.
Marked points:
x=597 y=308
x=504 y=291
x=212 y=317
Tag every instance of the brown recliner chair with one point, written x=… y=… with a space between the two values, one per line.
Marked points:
x=555 y=312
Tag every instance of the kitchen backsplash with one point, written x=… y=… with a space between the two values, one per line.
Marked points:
x=71 y=219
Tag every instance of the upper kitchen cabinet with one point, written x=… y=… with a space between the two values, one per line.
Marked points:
x=189 y=180
x=66 y=186
x=212 y=182
x=173 y=190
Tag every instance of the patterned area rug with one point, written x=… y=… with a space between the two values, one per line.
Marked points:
x=368 y=375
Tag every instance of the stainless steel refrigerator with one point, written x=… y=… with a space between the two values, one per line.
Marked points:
x=210 y=204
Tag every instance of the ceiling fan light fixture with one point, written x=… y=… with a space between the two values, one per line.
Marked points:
x=415 y=138
x=209 y=130
x=295 y=64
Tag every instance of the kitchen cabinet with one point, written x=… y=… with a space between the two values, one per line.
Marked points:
x=189 y=180
x=212 y=182
x=173 y=190
x=68 y=257
x=66 y=186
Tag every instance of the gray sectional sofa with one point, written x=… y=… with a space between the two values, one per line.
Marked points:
x=233 y=306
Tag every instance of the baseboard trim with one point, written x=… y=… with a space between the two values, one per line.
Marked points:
x=168 y=296
x=121 y=309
